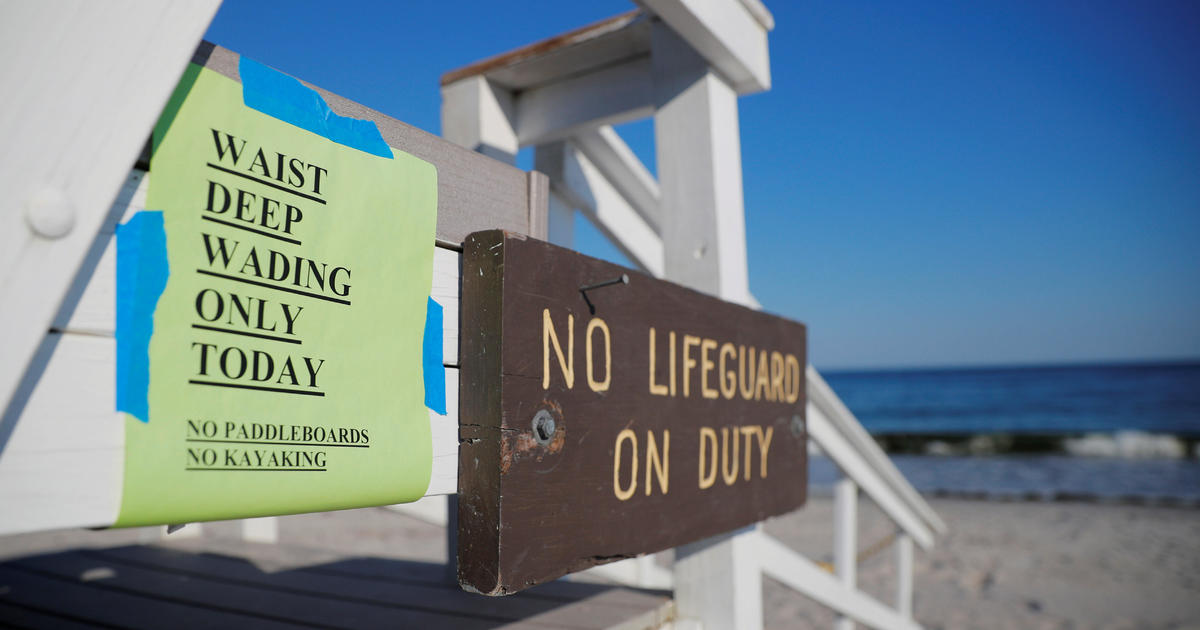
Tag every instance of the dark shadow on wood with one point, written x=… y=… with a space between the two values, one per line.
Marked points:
x=257 y=587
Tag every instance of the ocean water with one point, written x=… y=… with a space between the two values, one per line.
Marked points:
x=1139 y=425
x=1150 y=398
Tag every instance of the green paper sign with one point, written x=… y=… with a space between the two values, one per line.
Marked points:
x=285 y=363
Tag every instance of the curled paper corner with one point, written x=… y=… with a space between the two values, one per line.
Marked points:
x=142 y=272
x=276 y=94
x=431 y=359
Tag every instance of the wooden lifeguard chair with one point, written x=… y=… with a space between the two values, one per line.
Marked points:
x=74 y=134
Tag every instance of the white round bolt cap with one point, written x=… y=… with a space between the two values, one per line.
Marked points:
x=49 y=213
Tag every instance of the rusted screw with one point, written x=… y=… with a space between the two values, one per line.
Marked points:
x=543 y=427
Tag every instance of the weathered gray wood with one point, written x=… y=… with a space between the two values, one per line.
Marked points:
x=539 y=202
x=474 y=192
x=604 y=43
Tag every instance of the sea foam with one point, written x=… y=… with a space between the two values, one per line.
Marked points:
x=1126 y=444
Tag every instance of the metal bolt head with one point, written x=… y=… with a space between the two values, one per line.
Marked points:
x=49 y=213
x=797 y=425
x=543 y=427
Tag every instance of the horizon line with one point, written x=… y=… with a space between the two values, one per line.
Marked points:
x=1066 y=363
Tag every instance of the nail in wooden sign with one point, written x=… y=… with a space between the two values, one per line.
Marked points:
x=606 y=414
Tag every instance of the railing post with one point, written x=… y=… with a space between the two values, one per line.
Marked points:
x=718 y=581
x=845 y=535
x=904 y=575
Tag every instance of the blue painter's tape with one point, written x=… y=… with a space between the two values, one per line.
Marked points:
x=141 y=277
x=276 y=94
x=435 y=373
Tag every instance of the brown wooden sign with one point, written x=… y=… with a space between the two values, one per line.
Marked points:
x=601 y=419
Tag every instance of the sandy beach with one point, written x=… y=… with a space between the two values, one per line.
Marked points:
x=1019 y=565
x=1001 y=564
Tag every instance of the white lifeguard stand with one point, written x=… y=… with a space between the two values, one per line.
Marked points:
x=684 y=63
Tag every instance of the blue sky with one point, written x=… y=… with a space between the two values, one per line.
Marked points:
x=927 y=183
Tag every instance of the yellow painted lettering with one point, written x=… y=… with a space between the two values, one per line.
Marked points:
x=764 y=445
x=550 y=337
x=729 y=475
x=747 y=431
x=623 y=494
x=706 y=366
x=746 y=373
x=762 y=384
x=776 y=378
x=655 y=389
x=660 y=465
x=709 y=456
x=688 y=362
x=727 y=377
x=599 y=386
x=794 y=374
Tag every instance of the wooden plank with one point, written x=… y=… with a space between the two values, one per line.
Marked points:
x=626 y=173
x=588 y=47
x=241 y=598
x=101 y=605
x=63 y=463
x=904 y=575
x=533 y=507
x=731 y=36
x=594 y=194
x=718 y=581
x=700 y=172
x=442 y=597
x=607 y=96
x=68 y=140
x=478 y=115
x=27 y=617
x=845 y=539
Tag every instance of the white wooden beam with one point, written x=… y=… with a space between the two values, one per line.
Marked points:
x=479 y=116
x=845 y=538
x=71 y=132
x=904 y=575
x=803 y=575
x=582 y=186
x=699 y=170
x=604 y=97
x=562 y=222
x=731 y=35
x=624 y=171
